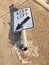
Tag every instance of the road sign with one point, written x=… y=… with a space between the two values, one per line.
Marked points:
x=22 y=20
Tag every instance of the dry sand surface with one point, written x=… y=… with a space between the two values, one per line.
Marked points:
x=38 y=37
x=44 y=3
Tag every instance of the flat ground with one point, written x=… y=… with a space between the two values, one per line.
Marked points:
x=38 y=36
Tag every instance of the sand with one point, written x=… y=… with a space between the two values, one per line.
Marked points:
x=44 y=3
x=38 y=37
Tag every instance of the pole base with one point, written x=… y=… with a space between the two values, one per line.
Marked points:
x=25 y=49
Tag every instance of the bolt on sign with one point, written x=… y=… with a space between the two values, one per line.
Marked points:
x=22 y=20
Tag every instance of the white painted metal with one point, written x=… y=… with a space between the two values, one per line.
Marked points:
x=24 y=38
x=19 y=16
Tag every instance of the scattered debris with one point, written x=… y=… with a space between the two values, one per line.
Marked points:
x=32 y=51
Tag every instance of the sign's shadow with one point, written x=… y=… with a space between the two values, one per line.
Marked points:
x=14 y=37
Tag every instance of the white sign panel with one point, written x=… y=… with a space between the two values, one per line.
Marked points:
x=22 y=19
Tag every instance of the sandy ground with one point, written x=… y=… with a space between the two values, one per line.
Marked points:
x=37 y=37
x=44 y=3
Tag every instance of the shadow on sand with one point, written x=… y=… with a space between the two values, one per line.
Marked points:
x=14 y=37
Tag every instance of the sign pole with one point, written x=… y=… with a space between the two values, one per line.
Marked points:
x=24 y=40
